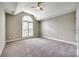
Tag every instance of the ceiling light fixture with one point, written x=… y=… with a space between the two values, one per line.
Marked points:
x=38 y=6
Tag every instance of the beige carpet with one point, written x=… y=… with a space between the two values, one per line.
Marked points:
x=39 y=47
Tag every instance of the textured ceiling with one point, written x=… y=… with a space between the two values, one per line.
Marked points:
x=51 y=9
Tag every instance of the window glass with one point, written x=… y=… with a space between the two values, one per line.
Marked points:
x=24 y=29
x=27 y=26
x=30 y=32
x=30 y=25
x=27 y=18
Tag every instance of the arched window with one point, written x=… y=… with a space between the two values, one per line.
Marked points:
x=27 y=26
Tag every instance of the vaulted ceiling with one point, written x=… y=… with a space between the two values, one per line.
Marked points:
x=51 y=9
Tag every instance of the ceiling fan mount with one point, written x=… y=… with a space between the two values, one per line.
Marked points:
x=38 y=6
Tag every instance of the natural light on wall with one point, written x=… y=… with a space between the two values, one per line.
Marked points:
x=27 y=26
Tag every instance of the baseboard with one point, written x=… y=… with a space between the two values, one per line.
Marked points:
x=19 y=39
x=13 y=40
x=73 y=43
x=2 y=48
x=44 y=37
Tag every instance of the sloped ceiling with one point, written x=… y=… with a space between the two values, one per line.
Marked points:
x=51 y=9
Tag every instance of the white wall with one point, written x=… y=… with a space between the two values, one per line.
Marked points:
x=60 y=28
x=77 y=29
x=2 y=30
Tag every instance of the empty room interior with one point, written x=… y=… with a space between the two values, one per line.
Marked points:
x=39 y=29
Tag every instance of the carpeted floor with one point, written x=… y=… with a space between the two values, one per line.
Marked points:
x=39 y=47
